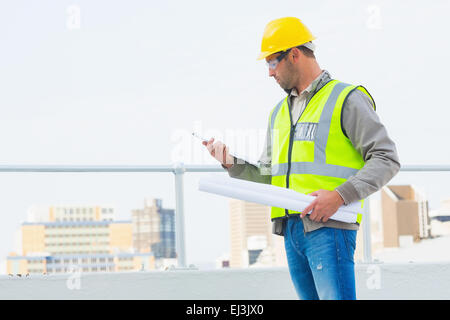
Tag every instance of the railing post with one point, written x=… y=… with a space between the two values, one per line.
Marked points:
x=367 y=240
x=179 y=170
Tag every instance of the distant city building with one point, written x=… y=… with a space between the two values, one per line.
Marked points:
x=223 y=261
x=443 y=212
x=405 y=215
x=154 y=229
x=251 y=234
x=256 y=245
x=50 y=264
x=70 y=213
x=445 y=205
x=440 y=219
x=86 y=238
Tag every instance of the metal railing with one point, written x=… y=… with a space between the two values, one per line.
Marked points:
x=178 y=169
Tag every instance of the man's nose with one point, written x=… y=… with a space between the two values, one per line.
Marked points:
x=271 y=72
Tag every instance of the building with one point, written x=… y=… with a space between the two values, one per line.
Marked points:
x=59 y=238
x=70 y=263
x=443 y=212
x=251 y=235
x=440 y=219
x=81 y=237
x=223 y=261
x=70 y=213
x=154 y=229
x=405 y=215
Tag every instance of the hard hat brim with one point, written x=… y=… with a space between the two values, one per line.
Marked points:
x=265 y=54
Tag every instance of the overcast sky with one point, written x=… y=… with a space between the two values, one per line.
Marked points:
x=125 y=82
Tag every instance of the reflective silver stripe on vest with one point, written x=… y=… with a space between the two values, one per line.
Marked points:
x=320 y=169
x=320 y=142
x=274 y=113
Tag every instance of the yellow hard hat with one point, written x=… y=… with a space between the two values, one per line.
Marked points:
x=282 y=34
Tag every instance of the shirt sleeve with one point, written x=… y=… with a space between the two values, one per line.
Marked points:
x=368 y=135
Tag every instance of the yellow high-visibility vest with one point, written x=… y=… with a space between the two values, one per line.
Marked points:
x=313 y=153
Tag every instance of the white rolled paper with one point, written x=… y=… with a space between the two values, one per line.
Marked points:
x=269 y=195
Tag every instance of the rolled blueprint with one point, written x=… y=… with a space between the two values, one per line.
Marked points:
x=269 y=195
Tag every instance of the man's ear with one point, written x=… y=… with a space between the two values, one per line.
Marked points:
x=296 y=54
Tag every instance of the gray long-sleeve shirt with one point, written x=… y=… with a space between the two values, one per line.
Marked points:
x=363 y=127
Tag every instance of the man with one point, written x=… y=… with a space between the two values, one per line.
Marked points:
x=323 y=139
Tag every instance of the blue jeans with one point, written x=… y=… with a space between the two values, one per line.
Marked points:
x=321 y=262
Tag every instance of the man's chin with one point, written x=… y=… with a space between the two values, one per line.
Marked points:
x=284 y=87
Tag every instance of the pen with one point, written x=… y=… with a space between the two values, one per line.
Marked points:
x=206 y=140
x=201 y=138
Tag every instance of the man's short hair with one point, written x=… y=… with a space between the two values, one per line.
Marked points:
x=306 y=51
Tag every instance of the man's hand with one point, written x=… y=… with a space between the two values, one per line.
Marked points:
x=324 y=206
x=220 y=152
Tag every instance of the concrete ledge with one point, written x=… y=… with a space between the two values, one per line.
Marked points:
x=374 y=281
